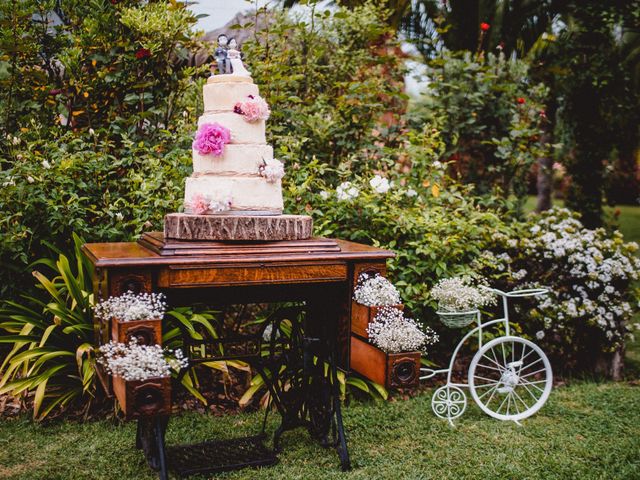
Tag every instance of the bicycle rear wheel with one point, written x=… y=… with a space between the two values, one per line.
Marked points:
x=510 y=378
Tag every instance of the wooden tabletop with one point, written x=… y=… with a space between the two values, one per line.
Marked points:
x=132 y=254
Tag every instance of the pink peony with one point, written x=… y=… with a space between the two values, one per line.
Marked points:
x=198 y=204
x=253 y=109
x=211 y=138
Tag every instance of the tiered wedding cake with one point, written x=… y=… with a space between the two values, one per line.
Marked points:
x=235 y=190
x=234 y=171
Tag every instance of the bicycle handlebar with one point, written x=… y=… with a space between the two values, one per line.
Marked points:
x=527 y=292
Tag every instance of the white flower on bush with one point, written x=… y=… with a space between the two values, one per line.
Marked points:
x=380 y=184
x=375 y=291
x=129 y=307
x=458 y=294
x=411 y=193
x=324 y=195
x=347 y=191
x=30 y=179
x=590 y=273
x=46 y=164
x=392 y=332
x=140 y=362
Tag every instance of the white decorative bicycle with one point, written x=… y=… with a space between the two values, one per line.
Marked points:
x=510 y=377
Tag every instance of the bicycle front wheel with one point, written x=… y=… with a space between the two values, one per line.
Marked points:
x=510 y=378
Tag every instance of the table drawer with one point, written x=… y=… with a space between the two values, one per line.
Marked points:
x=177 y=276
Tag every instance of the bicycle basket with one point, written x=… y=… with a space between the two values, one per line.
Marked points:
x=458 y=319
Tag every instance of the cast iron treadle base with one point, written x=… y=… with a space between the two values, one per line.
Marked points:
x=219 y=456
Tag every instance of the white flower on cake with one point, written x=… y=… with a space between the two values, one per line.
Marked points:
x=392 y=332
x=200 y=204
x=272 y=170
x=380 y=184
x=346 y=191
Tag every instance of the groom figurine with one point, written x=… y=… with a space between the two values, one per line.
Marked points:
x=221 y=56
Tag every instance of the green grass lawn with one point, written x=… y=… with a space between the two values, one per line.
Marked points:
x=585 y=431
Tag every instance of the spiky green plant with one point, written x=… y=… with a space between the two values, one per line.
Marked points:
x=51 y=338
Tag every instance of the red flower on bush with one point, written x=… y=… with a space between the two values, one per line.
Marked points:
x=484 y=26
x=143 y=53
x=521 y=100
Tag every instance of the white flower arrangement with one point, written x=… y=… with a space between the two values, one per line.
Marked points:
x=346 y=191
x=272 y=170
x=380 y=184
x=590 y=272
x=392 y=332
x=130 y=307
x=375 y=291
x=140 y=362
x=458 y=294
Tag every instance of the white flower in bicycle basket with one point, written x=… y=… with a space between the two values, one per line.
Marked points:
x=375 y=291
x=347 y=191
x=458 y=294
x=392 y=332
x=380 y=184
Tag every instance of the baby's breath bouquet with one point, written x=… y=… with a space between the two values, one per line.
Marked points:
x=140 y=362
x=460 y=295
x=375 y=291
x=130 y=307
x=459 y=300
x=392 y=332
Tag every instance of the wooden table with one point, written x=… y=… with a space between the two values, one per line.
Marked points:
x=319 y=272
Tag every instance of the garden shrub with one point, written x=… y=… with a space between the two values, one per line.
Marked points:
x=334 y=82
x=490 y=115
x=590 y=273
x=102 y=188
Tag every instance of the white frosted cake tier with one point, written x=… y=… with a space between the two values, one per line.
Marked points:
x=224 y=95
x=237 y=159
x=241 y=130
x=248 y=194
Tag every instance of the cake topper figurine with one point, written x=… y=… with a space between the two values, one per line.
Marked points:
x=237 y=67
x=221 y=55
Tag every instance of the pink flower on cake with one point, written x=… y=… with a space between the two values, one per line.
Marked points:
x=272 y=170
x=198 y=204
x=253 y=109
x=211 y=138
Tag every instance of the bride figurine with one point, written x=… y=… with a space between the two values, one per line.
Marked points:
x=237 y=66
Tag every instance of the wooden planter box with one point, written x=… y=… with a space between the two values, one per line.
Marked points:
x=139 y=398
x=362 y=316
x=147 y=332
x=393 y=370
